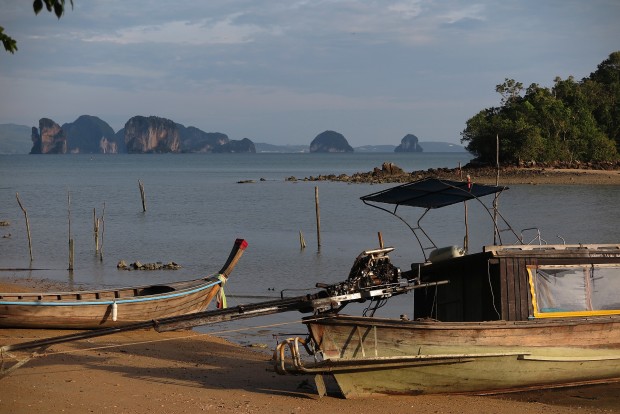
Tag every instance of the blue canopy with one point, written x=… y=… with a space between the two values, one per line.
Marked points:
x=432 y=193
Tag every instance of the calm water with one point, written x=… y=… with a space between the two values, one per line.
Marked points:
x=196 y=209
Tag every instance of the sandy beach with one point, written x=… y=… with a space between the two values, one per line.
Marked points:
x=186 y=372
x=543 y=176
x=189 y=372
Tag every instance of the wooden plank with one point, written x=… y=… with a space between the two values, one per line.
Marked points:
x=550 y=248
x=526 y=297
x=503 y=288
x=495 y=291
x=512 y=272
x=520 y=277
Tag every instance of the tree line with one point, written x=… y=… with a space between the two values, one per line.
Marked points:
x=573 y=121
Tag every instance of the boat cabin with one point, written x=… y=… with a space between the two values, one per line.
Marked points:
x=522 y=282
x=512 y=283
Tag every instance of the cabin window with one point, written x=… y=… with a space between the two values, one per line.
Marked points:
x=580 y=290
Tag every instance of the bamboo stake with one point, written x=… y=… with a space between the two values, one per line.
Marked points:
x=96 y=229
x=102 y=233
x=380 y=239
x=71 y=251
x=71 y=254
x=142 y=195
x=302 y=241
x=27 y=225
x=318 y=217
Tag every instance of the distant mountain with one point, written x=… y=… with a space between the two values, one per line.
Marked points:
x=409 y=143
x=427 y=146
x=90 y=135
x=196 y=140
x=330 y=141
x=151 y=134
x=375 y=148
x=140 y=135
x=263 y=147
x=435 y=146
x=244 y=145
x=15 y=139
x=49 y=138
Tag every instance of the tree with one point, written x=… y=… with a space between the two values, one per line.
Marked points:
x=53 y=6
x=573 y=121
x=510 y=90
x=607 y=103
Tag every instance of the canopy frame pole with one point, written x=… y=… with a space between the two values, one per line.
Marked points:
x=413 y=229
x=491 y=211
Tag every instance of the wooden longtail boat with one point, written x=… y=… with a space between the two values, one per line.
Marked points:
x=509 y=318
x=114 y=307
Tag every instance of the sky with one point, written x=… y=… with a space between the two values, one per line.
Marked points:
x=282 y=72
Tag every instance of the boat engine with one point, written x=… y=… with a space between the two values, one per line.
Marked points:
x=372 y=268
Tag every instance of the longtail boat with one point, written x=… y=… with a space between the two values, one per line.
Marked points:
x=114 y=307
x=509 y=318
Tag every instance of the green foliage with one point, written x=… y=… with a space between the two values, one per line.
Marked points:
x=10 y=45
x=573 y=121
x=58 y=6
x=55 y=6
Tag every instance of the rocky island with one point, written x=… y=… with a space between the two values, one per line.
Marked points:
x=409 y=143
x=330 y=141
x=141 y=135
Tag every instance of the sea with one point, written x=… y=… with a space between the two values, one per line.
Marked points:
x=198 y=204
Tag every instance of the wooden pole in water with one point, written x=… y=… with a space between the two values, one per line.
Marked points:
x=141 y=186
x=102 y=232
x=302 y=241
x=380 y=240
x=71 y=251
x=318 y=217
x=96 y=229
x=71 y=254
x=27 y=225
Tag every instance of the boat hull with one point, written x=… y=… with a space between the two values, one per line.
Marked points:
x=371 y=356
x=99 y=309
x=114 y=307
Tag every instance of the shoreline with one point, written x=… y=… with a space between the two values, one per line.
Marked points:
x=391 y=173
x=187 y=372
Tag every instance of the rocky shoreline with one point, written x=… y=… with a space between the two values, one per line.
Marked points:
x=558 y=173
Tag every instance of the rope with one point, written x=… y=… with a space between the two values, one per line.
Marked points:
x=499 y=317
x=221 y=296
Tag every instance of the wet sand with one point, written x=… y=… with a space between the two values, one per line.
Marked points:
x=186 y=372
x=542 y=176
